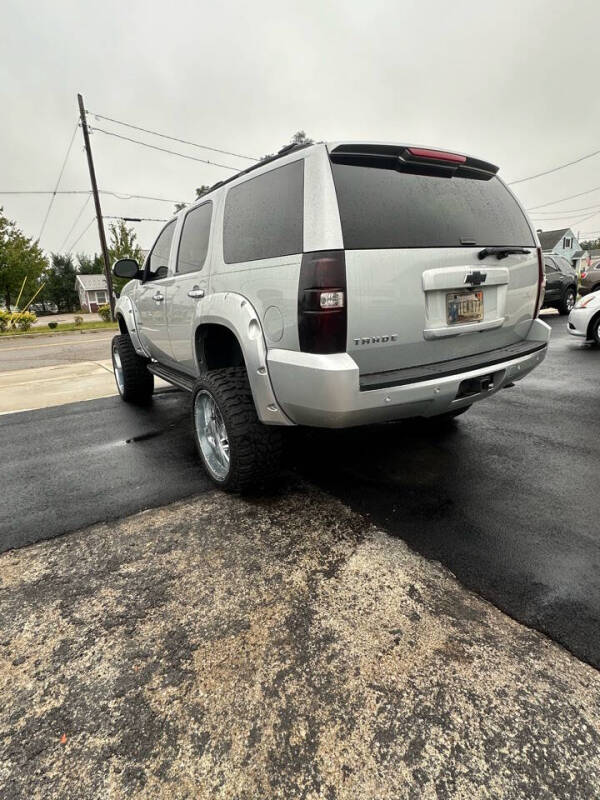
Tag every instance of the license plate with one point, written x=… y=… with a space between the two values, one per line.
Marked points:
x=464 y=306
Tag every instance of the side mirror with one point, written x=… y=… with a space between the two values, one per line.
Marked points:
x=127 y=268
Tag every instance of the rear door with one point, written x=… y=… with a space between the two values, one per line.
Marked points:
x=189 y=284
x=418 y=293
x=554 y=280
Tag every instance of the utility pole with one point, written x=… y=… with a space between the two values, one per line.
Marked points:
x=101 y=233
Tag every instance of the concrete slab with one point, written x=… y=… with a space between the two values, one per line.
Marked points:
x=42 y=387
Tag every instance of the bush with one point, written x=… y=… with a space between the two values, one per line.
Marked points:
x=78 y=320
x=52 y=325
x=23 y=320
x=104 y=312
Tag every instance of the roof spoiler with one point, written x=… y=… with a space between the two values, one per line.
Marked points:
x=416 y=160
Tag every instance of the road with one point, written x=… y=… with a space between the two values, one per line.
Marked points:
x=26 y=352
x=506 y=497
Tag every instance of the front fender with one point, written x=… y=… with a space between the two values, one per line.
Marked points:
x=125 y=307
x=235 y=312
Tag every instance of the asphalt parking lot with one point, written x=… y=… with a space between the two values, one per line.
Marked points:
x=506 y=497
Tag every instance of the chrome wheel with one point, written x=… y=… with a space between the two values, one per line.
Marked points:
x=118 y=370
x=570 y=301
x=212 y=435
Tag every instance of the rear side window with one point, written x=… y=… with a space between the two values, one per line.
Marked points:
x=193 y=245
x=384 y=208
x=264 y=216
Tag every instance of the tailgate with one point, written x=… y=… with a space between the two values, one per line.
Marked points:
x=414 y=227
x=404 y=306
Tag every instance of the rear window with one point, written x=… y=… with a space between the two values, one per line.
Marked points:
x=384 y=208
x=264 y=216
x=564 y=265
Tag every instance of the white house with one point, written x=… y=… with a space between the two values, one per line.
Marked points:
x=564 y=243
x=92 y=291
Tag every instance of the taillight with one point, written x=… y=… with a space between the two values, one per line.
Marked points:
x=436 y=155
x=541 y=283
x=583 y=275
x=322 y=302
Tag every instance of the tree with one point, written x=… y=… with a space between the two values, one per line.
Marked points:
x=123 y=244
x=590 y=244
x=299 y=137
x=20 y=258
x=90 y=265
x=60 y=283
x=201 y=190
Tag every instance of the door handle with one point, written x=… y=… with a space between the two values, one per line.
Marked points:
x=196 y=292
x=158 y=297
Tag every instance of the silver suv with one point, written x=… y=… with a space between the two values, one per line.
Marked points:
x=333 y=285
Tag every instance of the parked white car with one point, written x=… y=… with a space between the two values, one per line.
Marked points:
x=584 y=319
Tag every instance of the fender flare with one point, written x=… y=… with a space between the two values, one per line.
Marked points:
x=235 y=312
x=126 y=309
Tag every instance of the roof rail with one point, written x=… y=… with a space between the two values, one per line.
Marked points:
x=289 y=148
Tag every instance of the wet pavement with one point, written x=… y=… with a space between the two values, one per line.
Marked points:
x=506 y=497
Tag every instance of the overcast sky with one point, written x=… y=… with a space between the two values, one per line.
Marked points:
x=512 y=81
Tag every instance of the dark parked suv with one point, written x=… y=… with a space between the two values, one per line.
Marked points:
x=561 y=284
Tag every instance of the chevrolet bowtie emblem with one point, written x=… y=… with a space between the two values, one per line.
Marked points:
x=476 y=278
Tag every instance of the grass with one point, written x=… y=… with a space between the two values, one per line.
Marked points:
x=63 y=327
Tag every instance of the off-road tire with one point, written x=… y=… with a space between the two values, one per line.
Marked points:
x=255 y=450
x=137 y=383
x=564 y=307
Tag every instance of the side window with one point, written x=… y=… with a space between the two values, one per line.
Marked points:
x=549 y=266
x=264 y=216
x=193 y=244
x=159 y=257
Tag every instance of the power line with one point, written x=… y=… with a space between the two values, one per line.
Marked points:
x=118 y=195
x=121 y=196
x=135 y=219
x=60 y=174
x=570 y=197
x=172 y=138
x=85 y=230
x=570 y=210
x=47 y=191
x=561 y=216
x=555 y=169
x=164 y=149
x=77 y=218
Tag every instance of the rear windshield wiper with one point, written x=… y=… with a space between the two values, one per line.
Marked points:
x=501 y=252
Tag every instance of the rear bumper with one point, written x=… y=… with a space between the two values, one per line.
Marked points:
x=324 y=390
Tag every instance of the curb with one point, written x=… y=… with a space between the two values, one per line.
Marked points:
x=53 y=333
